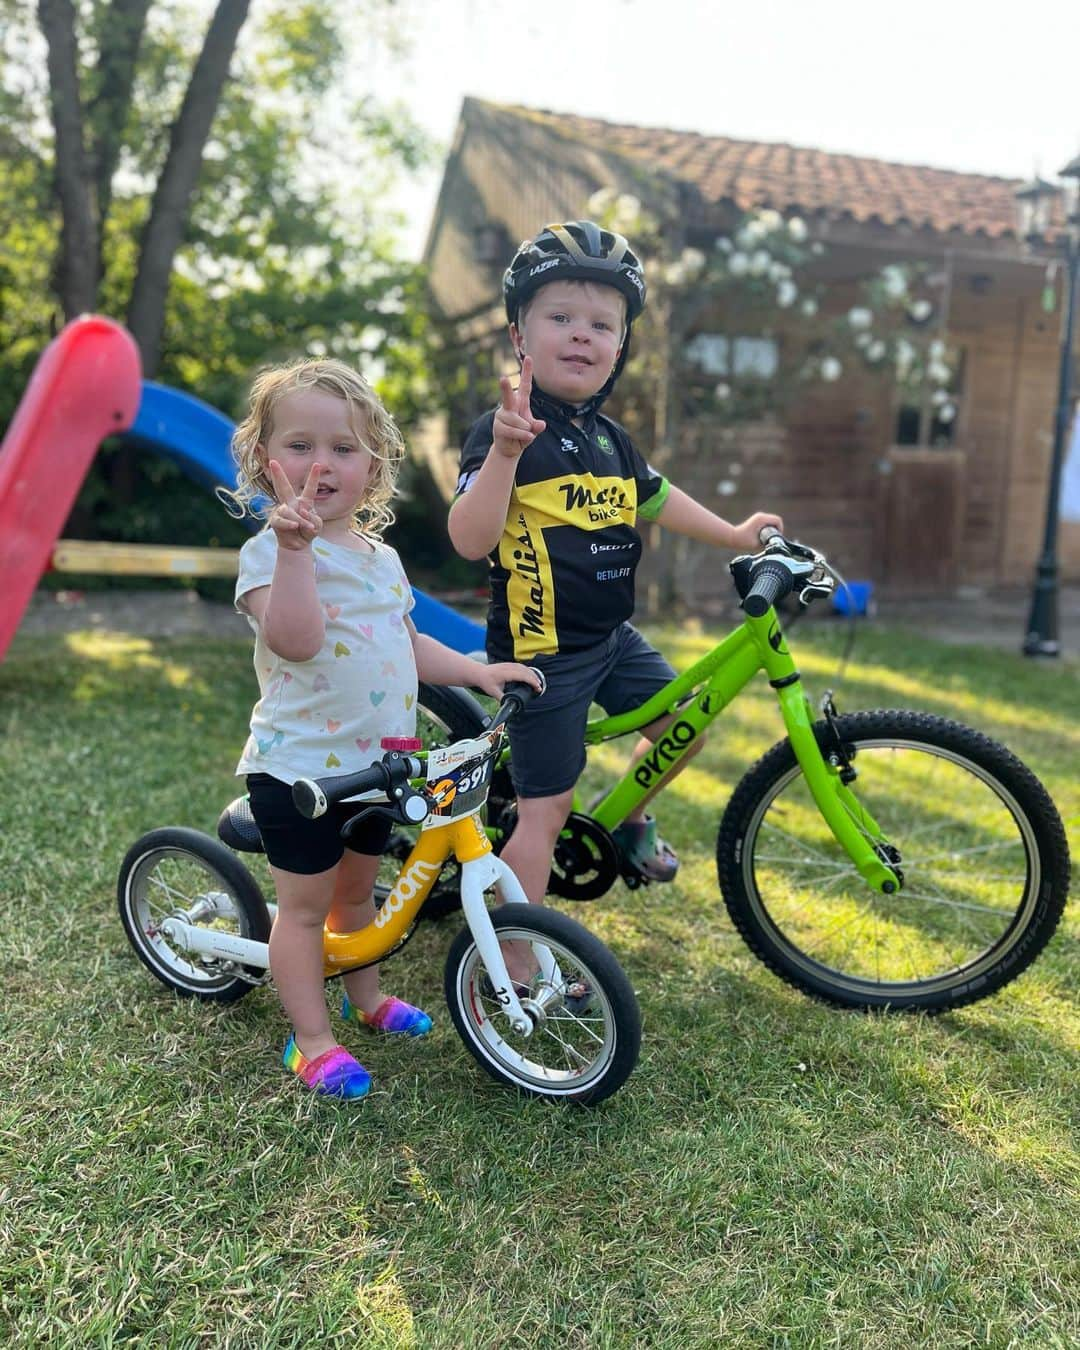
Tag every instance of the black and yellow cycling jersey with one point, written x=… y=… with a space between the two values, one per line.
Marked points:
x=562 y=575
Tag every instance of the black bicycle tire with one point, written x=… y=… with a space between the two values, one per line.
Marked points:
x=1025 y=942
x=254 y=916
x=603 y=969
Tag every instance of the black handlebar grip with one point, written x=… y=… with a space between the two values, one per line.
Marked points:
x=515 y=696
x=772 y=581
x=519 y=694
x=308 y=798
x=523 y=693
x=312 y=797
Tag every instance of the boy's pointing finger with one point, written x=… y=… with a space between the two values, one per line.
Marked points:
x=525 y=386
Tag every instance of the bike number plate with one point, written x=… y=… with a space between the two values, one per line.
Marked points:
x=458 y=778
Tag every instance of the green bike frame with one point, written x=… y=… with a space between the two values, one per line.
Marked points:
x=704 y=691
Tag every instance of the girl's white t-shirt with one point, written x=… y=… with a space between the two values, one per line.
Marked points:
x=327 y=715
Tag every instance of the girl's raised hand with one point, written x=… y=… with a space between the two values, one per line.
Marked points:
x=515 y=427
x=294 y=520
x=493 y=679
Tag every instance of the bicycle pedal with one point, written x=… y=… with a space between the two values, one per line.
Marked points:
x=633 y=878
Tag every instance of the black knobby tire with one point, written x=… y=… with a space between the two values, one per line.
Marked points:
x=444 y=715
x=983 y=855
x=580 y=1051
x=167 y=872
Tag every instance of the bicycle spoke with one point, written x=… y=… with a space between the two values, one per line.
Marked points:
x=801 y=862
x=177 y=897
x=951 y=904
x=568 y=1050
x=965 y=852
x=799 y=843
x=577 y=1022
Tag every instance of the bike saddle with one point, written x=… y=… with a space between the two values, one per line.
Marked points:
x=236 y=827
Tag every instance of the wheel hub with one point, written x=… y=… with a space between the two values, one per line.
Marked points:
x=891 y=855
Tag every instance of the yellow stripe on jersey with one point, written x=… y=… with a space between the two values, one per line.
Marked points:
x=530 y=595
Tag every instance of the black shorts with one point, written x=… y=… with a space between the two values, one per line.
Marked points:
x=295 y=844
x=547 y=739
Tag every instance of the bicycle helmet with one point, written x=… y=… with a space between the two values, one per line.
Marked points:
x=577 y=251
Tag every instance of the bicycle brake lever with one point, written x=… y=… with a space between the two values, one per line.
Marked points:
x=408 y=808
x=781 y=544
x=819 y=585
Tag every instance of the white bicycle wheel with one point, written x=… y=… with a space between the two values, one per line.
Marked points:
x=185 y=874
x=586 y=1033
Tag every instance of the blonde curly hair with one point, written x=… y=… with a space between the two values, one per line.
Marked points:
x=375 y=429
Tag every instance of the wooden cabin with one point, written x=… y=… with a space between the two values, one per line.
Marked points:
x=852 y=471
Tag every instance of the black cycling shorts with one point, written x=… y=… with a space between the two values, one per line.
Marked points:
x=547 y=738
x=295 y=844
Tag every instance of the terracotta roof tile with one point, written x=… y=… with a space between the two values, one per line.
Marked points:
x=793 y=178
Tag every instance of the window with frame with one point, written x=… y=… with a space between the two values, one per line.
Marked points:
x=922 y=422
x=717 y=354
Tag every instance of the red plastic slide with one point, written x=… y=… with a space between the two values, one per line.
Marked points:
x=86 y=385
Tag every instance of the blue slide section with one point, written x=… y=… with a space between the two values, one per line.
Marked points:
x=197 y=437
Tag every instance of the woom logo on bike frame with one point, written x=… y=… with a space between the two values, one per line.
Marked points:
x=666 y=750
x=407 y=885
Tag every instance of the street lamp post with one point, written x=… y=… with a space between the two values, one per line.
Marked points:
x=1034 y=200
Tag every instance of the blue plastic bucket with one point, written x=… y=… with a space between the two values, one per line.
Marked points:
x=854 y=598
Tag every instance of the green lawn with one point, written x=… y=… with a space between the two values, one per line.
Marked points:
x=774 y=1172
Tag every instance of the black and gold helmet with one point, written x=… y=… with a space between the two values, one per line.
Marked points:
x=580 y=250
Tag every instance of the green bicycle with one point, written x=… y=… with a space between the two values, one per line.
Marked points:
x=888 y=859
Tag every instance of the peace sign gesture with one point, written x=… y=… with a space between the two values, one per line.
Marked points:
x=294 y=520
x=515 y=427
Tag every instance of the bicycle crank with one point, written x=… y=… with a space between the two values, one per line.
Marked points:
x=586 y=861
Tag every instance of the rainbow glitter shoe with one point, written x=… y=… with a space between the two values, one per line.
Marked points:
x=642 y=849
x=334 y=1073
x=393 y=1015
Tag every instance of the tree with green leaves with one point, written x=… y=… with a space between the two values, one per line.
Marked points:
x=189 y=177
x=210 y=173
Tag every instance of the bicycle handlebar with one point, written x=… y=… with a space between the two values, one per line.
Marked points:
x=783 y=565
x=313 y=797
x=516 y=696
x=772 y=581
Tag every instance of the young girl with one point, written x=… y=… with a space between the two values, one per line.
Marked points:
x=337 y=659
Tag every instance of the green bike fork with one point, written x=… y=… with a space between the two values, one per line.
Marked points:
x=852 y=825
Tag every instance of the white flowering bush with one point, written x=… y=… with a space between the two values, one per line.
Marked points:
x=746 y=319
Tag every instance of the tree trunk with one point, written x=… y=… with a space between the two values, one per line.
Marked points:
x=172 y=196
x=122 y=29
x=77 y=268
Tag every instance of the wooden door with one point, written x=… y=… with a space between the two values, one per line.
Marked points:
x=922 y=518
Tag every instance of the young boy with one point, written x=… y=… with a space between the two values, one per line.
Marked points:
x=551 y=489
